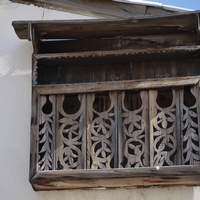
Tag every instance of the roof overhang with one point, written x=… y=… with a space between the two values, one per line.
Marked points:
x=106 y=8
x=173 y=23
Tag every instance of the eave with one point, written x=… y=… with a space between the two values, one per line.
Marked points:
x=105 y=8
x=74 y=29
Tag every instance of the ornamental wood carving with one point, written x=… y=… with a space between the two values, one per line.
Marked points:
x=125 y=129
x=71 y=126
x=102 y=131
x=163 y=127
x=46 y=133
x=190 y=125
x=134 y=145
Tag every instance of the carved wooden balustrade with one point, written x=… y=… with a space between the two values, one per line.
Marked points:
x=119 y=129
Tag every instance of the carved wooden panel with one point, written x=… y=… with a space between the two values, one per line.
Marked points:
x=46 y=133
x=71 y=132
x=133 y=126
x=119 y=129
x=190 y=125
x=164 y=108
x=102 y=130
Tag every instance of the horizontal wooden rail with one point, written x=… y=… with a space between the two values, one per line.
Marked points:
x=114 y=85
x=125 y=52
x=118 y=178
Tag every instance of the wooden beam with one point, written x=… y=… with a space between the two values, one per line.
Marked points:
x=118 y=43
x=118 y=56
x=118 y=178
x=114 y=85
x=105 y=53
x=176 y=23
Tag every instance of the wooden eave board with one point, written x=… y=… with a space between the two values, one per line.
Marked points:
x=176 y=23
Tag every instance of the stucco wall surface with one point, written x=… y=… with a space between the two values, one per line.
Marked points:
x=15 y=114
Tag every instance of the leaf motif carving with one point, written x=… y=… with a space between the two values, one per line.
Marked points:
x=190 y=135
x=71 y=131
x=133 y=126
x=163 y=127
x=45 y=160
x=102 y=135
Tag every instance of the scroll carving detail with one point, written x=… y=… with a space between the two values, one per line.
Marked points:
x=71 y=136
x=134 y=135
x=163 y=130
x=102 y=135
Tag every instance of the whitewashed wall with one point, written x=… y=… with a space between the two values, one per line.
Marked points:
x=15 y=114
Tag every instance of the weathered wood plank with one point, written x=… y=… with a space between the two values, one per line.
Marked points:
x=44 y=76
x=71 y=73
x=177 y=49
x=115 y=85
x=178 y=156
x=112 y=72
x=183 y=67
x=91 y=73
x=118 y=183
x=194 y=67
x=67 y=74
x=34 y=71
x=164 y=171
x=136 y=177
x=118 y=56
x=176 y=23
x=138 y=71
x=117 y=43
x=34 y=134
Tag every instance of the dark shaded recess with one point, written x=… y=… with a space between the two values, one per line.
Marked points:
x=102 y=102
x=132 y=100
x=71 y=104
x=189 y=98
x=164 y=98
x=59 y=71
x=47 y=107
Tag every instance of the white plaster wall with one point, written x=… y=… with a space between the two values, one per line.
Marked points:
x=15 y=114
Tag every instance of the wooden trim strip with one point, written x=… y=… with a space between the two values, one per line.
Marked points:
x=168 y=23
x=126 y=52
x=119 y=173
x=114 y=85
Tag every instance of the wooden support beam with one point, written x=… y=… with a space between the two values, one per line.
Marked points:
x=167 y=24
x=109 y=178
x=123 y=52
x=114 y=85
